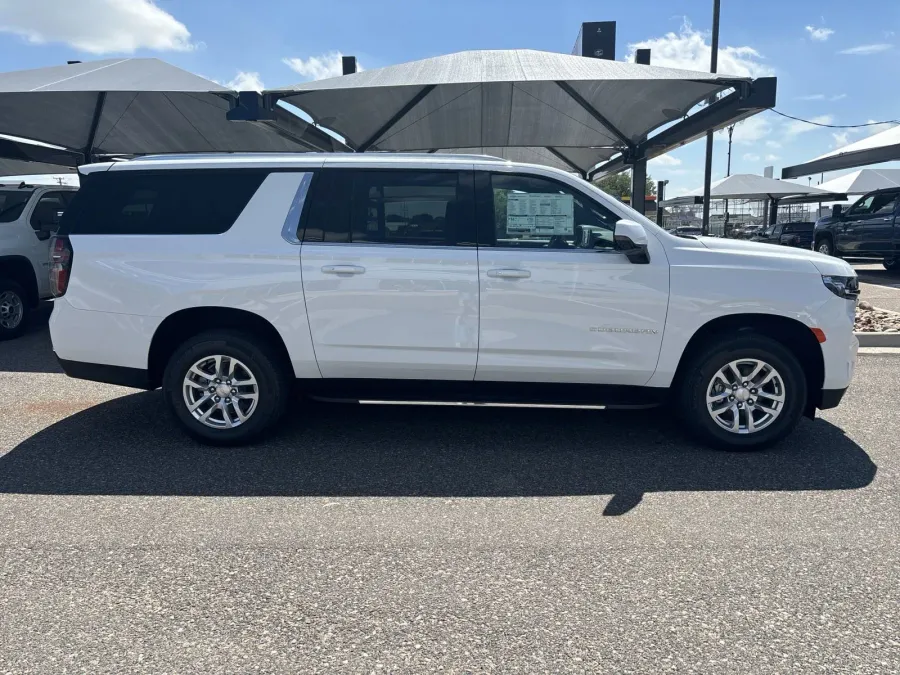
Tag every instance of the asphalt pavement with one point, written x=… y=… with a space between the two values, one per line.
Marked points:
x=878 y=286
x=455 y=539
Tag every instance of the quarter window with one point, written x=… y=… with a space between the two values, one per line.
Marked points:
x=171 y=202
x=47 y=211
x=12 y=203
x=534 y=212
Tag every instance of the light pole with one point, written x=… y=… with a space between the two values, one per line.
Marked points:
x=713 y=65
x=728 y=173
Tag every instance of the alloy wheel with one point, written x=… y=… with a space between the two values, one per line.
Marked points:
x=746 y=396
x=12 y=310
x=220 y=392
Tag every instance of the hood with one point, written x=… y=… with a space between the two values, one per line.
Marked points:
x=825 y=264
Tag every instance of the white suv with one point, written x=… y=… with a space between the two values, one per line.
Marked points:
x=432 y=278
x=29 y=214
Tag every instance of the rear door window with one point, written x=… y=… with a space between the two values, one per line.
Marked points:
x=170 y=202
x=395 y=207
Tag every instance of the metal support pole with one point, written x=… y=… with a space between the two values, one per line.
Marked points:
x=713 y=65
x=639 y=186
x=728 y=173
x=660 y=196
x=773 y=212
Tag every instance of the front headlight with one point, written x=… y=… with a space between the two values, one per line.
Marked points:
x=843 y=287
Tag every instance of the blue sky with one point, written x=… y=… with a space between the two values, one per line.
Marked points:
x=835 y=62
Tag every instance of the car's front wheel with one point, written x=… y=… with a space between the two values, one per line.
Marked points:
x=13 y=310
x=743 y=392
x=226 y=388
x=823 y=245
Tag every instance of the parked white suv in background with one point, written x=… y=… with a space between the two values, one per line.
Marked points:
x=429 y=277
x=29 y=214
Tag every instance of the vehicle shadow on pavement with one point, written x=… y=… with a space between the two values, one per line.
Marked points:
x=32 y=352
x=127 y=446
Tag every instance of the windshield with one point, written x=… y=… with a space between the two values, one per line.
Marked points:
x=12 y=203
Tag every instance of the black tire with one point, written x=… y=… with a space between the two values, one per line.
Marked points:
x=825 y=245
x=272 y=374
x=718 y=354
x=892 y=265
x=10 y=290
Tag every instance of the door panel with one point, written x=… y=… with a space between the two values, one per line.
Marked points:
x=868 y=226
x=558 y=302
x=581 y=316
x=391 y=286
x=393 y=312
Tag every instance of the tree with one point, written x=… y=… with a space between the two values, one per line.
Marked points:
x=618 y=185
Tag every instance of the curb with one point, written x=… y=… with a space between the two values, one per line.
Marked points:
x=878 y=339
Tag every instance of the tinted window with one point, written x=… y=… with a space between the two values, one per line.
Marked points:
x=48 y=209
x=405 y=207
x=328 y=215
x=12 y=203
x=883 y=204
x=533 y=212
x=171 y=202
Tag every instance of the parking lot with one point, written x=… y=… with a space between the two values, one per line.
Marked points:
x=402 y=538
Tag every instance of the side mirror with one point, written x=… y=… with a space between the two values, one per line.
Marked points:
x=837 y=210
x=631 y=239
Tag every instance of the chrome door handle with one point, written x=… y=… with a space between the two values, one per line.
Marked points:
x=343 y=269
x=509 y=274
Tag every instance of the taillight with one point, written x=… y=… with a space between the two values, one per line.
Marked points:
x=60 y=265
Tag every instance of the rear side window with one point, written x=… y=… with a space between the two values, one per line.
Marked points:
x=171 y=202
x=12 y=203
x=400 y=207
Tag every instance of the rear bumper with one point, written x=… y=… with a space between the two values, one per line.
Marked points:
x=136 y=378
x=831 y=398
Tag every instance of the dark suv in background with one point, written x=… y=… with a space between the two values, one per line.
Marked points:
x=787 y=234
x=868 y=229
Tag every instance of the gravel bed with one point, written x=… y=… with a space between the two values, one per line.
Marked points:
x=870 y=319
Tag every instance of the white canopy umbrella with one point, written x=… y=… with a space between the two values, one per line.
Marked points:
x=750 y=186
x=882 y=147
x=863 y=181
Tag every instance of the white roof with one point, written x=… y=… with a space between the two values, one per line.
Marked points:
x=862 y=181
x=889 y=137
x=300 y=160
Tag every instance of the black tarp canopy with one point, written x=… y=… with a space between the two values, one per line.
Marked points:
x=131 y=106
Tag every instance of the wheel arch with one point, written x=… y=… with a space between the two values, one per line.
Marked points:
x=186 y=323
x=18 y=268
x=791 y=333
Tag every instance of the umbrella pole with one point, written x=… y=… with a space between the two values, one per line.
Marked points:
x=707 y=176
x=88 y=152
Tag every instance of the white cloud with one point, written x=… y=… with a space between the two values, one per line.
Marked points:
x=246 y=81
x=748 y=132
x=819 y=34
x=96 y=26
x=863 y=50
x=318 y=67
x=796 y=127
x=664 y=160
x=877 y=128
x=841 y=138
x=773 y=144
x=821 y=97
x=772 y=158
x=751 y=157
x=689 y=50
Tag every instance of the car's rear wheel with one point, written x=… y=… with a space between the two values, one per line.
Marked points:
x=892 y=265
x=744 y=392
x=824 y=245
x=13 y=310
x=226 y=387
